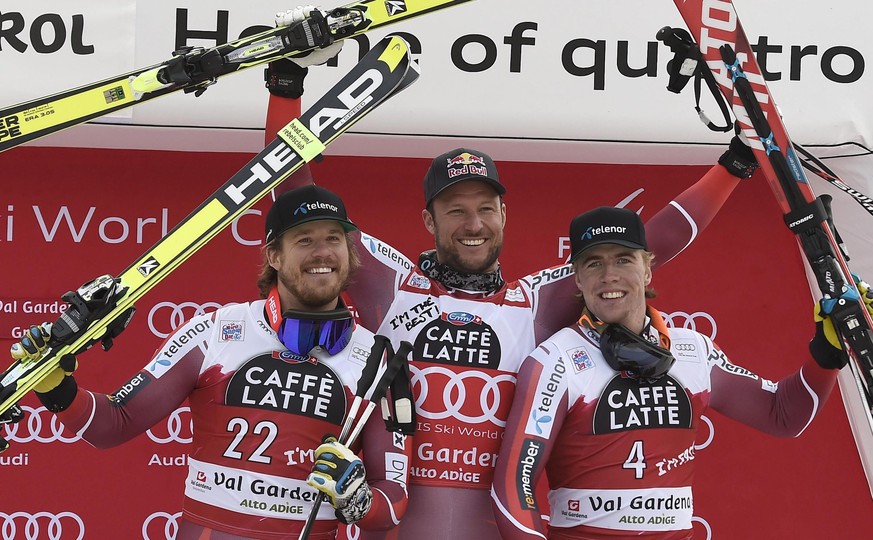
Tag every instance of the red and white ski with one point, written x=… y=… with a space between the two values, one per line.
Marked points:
x=723 y=44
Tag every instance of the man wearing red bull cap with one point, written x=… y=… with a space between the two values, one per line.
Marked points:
x=604 y=408
x=471 y=328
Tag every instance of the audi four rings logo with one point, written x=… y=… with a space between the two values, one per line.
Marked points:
x=698 y=321
x=63 y=525
x=179 y=428
x=38 y=428
x=705 y=525
x=169 y=522
x=710 y=436
x=167 y=316
x=454 y=394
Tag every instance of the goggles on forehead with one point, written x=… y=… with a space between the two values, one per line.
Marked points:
x=626 y=351
x=302 y=331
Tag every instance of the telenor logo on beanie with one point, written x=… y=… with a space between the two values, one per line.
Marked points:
x=304 y=208
x=606 y=225
x=591 y=232
x=302 y=205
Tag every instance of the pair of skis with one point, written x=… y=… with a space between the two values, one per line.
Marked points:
x=99 y=310
x=723 y=44
x=195 y=69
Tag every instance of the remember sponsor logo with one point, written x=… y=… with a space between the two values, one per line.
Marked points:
x=129 y=389
x=529 y=462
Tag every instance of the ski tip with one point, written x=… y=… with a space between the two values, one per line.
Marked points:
x=395 y=51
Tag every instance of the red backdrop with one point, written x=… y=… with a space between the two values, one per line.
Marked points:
x=69 y=215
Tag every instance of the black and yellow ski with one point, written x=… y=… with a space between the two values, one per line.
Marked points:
x=194 y=70
x=99 y=307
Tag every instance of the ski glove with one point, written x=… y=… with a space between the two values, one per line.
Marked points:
x=340 y=474
x=825 y=346
x=739 y=159
x=284 y=77
x=57 y=390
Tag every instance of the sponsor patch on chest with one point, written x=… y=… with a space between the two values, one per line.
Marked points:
x=458 y=338
x=232 y=331
x=294 y=387
x=625 y=404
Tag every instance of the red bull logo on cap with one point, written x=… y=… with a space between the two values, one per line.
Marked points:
x=466 y=163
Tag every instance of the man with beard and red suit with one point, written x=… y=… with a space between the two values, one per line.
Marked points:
x=265 y=381
x=604 y=408
x=470 y=327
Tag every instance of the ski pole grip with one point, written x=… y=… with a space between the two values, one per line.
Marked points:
x=685 y=57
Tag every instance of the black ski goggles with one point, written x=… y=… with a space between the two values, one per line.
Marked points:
x=626 y=351
x=303 y=331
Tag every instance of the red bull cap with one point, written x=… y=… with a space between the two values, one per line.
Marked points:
x=459 y=165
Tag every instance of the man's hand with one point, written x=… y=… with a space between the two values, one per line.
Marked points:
x=739 y=159
x=33 y=344
x=285 y=76
x=826 y=347
x=57 y=390
x=340 y=474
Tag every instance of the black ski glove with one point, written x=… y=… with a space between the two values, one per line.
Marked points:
x=739 y=159
x=285 y=78
x=58 y=389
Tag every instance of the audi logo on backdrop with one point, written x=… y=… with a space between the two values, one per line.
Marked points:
x=38 y=427
x=165 y=317
x=710 y=436
x=25 y=526
x=698 y=321
x=161 y=521
x=705 y=525
x=454 y=395
x=179 y=428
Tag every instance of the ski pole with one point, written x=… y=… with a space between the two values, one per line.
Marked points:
x=352 y=428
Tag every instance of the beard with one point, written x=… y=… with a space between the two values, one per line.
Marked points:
x=449 y=255
x=315 y=297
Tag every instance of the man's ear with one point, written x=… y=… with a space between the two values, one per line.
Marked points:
x=427 y=217
x=273 y=255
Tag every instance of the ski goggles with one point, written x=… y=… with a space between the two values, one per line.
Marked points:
x=628 y=352
x=301 y=331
